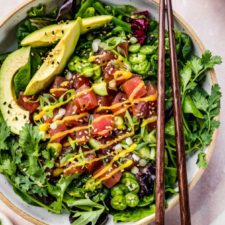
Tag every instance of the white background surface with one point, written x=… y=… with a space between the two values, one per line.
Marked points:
x=207 y=17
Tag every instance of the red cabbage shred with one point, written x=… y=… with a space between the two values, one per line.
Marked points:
x=140 y=26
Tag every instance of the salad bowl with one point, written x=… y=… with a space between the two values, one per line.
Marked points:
x=39 y=215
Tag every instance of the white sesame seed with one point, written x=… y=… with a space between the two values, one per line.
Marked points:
x=53 y=126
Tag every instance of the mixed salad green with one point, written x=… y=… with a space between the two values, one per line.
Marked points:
x=88 y=86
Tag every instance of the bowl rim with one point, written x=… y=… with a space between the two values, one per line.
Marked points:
x=194 y=180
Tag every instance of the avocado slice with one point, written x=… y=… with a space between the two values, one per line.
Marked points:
x=46 y=36
x=13 y=114
x=56 y=60
x=52 y=34
x=94 y=22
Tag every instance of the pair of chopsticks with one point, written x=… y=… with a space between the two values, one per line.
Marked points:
x=181 y=161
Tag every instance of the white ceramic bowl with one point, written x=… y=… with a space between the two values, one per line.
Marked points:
x=39 y=215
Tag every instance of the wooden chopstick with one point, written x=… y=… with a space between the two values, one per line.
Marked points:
x=160 y=132
x=181 y=161
x=177 y=108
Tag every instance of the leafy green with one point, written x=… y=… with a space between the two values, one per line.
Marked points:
x=59 y=190
x=133 y=215
x=170 y=176
x=201 y=162
x=41 y=22
x=28 y=163
x=22 y=78
x=189 y=107
x=24 y=29
x=38 y=11
x=2 y=58
x=91 y=214
x=4 y=134
x=29 y=142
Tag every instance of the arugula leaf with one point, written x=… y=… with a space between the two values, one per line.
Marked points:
x=91 y=215
x=84 y=218
x=58 y=191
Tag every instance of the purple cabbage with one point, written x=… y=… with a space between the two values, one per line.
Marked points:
x=146 y=178
x=66 y=9
x=139 y=26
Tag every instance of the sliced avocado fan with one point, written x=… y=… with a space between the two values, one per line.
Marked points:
x=56 y=59
x=13 y=114
x=53 y=33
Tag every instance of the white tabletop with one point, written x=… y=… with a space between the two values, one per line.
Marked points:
x=207 y=17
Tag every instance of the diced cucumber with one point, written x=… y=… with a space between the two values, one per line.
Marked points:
x=94 y=143
x=153 y=154
x=144 y=152
x=119 y=122
x=100 y=88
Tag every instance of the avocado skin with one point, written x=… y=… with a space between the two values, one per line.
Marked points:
x=56 y=60
x=13 y=114
x=51 y=34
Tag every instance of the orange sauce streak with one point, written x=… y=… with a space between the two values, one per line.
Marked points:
x=71 y=118
x=86 y=162
x=120 y=168
x=129 y=101
x=136 y=90
x=99 y=148
x=52 y=90
x=115 y=158
x=46 y=108
x=64 y=133
x=122 y=75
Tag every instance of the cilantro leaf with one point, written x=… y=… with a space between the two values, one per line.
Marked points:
x=7 y=167
x=195 y=65
x=202 y=162
x=210 y=61
x=200 y=101
x=4 y=134
x=29 y=142
x=185 y=76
